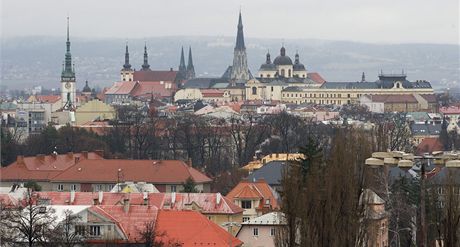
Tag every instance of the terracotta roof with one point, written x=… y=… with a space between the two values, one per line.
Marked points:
x=150 y=171
x=157 y=88
x=122 y=87
x=208 y=203
x=212 y=92
x=431 y=98
x=428 y=145
x=254 y=190
x=108 y=198
x=316 y=77
x=390 y=98
x=450 y=110
x=46 y=98
x=43 y=167
x=132 y=222
x=153 y=75
x=193 y=229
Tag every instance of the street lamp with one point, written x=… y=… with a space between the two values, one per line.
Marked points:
x=229 y=226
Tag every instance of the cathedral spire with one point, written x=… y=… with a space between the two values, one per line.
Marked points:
x=363 y=77
x=190 y=67
x=268 y=58
x=127 y=65
x=182 y=67
x=68 y=74
x=297 y=60
x=240 y=36
x=239 y=70
x=146 y=65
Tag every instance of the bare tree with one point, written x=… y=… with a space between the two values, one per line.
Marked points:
x=151 y=237
x=29 y=224
x=65 y=234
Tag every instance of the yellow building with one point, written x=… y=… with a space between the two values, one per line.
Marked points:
x=93 y=110
x=257 y=164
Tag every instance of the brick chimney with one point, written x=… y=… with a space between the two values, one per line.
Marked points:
x=70 y=154
x=126 y=205
x=20 y=160
x=99 y=152
x=40 y=157
x=84 y=154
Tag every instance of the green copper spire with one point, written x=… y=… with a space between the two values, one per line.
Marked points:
x=68 y=74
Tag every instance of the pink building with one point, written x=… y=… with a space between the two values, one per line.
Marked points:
x=261 y=231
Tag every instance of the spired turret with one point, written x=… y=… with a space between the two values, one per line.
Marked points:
x=127 y=73
x=68 y=80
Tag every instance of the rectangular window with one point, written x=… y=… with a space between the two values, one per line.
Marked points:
x=98 y=187
x=80 y=230
x=245 y=219
x=267 y=202
x=272 y=231
x=60 y=187
x=173 y=188
x=246 y=204
x=73 y=187
x=256 y=231
x=95 y=230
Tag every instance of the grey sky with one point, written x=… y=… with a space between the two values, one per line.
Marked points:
x=379 y=21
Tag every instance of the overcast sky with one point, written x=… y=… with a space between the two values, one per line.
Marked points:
x=376 y=21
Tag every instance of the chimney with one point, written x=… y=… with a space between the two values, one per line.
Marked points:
x=173 y=198
x=41 y=157
x=126 y=205
x=95 y=201
x=100 y=196
x=77 y=159
x=20 y=159
x=189 y=162
x=72 y=196
x=70 y=154
x=85 y=154
x=99 y=152
x=145 y=195
x=218 y=198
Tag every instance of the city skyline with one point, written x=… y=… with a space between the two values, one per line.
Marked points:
x=356 y=20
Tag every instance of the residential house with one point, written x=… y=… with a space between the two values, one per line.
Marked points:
x=271 y=172
x=94 y=110
x=422 y=131
x=380 y=103
x=42 y=168
x=102 y=175
x=256 y=198
x=261 y=231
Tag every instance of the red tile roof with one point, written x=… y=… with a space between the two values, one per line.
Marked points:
x=131 y=223
x=431 y=98
x=316 y=77
x=391 y=98
x=122 y=87
x=108 y=198
x=428 y=145
x=47 y=98
x=43 y=167
x=254 y=190
x=153 y=75
x=157 y=88
x=212 y=93
x=208 y=203
x=450 y=110
x=150 y=171
x=193 y=229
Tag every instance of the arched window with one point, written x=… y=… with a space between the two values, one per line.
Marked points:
x=282 y=72
x=254 y=90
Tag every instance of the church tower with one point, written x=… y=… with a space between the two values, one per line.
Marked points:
x=68 y=87
x=240 y=69
x=127 y=73
x=145 y=65
x=182 y=69
x=190 y=67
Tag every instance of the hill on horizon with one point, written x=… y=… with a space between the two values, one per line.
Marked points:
x=29 y=61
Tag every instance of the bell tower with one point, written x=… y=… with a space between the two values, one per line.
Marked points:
x=68 y=87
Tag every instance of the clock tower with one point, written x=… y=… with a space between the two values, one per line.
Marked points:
x=68 y=87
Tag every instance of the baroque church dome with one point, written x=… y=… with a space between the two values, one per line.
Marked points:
x=282 y=59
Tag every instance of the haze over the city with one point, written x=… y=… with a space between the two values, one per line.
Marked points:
x=392 y=21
